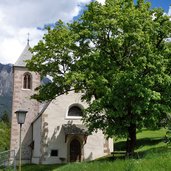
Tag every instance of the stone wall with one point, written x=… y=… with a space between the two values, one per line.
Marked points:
x=22 y=101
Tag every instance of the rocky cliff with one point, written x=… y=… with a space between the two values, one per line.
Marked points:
x=5 y=88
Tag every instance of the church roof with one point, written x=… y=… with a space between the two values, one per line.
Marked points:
x=72 y=129
x=43 y=107
x=25 y=55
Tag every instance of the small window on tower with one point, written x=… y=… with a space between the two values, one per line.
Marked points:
x=27 y=81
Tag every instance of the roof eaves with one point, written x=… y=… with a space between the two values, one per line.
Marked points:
x=41 y=112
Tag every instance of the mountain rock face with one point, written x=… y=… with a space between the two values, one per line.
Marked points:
x=6 y=88
x=6 y=78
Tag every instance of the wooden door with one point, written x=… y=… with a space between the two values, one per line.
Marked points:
x=75 y=151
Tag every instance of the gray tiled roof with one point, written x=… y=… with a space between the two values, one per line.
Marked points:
x=72 y=129
x=43 y=107
x=25 y=55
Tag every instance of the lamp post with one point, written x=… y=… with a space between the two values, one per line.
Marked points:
x=21 y=115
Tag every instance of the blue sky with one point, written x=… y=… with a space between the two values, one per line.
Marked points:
x=154 y=4
x=161 y=4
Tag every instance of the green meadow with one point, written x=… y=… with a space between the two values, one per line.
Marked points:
x=152 y=154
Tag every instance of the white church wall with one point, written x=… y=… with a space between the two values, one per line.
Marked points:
x=111 y=144
x=56 y=141
x=53 y=135
x=36 y=154
x=94 y=146
x=54 y=117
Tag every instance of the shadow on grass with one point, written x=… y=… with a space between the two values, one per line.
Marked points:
x=149 y=144
x=156 y=151
x=120 y=146
x=40 y=167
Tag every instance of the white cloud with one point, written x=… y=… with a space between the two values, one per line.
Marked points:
x=169 y=13
x=18 y=17
x=101 y=1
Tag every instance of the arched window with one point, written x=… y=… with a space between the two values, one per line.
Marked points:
x=75 y=111
x=27 y=81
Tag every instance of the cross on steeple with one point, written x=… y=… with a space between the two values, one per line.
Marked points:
x=28 y=39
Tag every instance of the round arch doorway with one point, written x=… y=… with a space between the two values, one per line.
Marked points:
x=75 y=151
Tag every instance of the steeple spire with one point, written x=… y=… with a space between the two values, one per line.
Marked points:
x=25 y=55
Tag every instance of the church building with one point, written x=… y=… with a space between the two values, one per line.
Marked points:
x=53 y=131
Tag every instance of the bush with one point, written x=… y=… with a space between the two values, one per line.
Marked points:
x=4 y=136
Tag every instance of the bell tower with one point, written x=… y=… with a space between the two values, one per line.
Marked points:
x=24 y=84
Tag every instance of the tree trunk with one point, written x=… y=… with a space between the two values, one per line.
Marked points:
x=131 y=140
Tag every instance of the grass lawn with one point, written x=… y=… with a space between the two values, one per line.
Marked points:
x=147 y=140
x=156 y=161
x=4 y=136
x=152 y=155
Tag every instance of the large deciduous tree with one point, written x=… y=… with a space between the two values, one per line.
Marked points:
x=116 y=55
